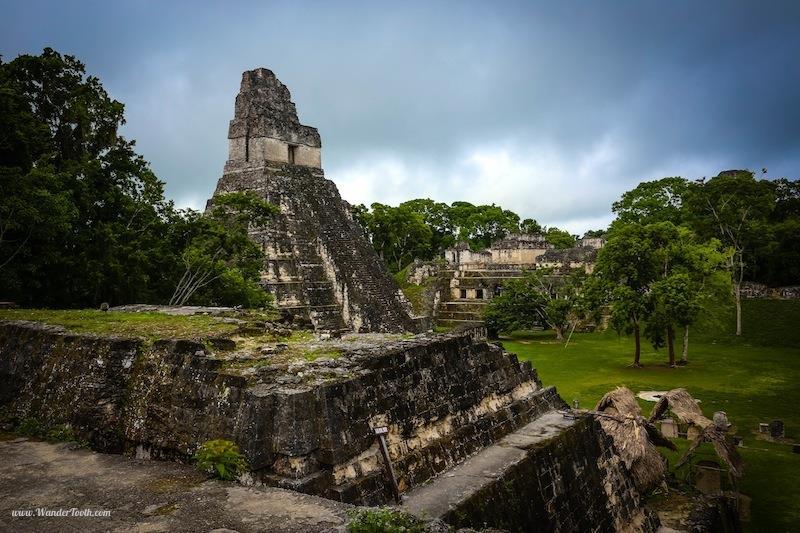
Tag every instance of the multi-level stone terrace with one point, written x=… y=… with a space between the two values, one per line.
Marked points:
x=473 y=278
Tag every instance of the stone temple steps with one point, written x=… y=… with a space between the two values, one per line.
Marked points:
x=557 y=473
x=324 y=309
x=461 y=311
x=451 y=489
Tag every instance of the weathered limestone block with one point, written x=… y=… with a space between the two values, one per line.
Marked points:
x=59 y=376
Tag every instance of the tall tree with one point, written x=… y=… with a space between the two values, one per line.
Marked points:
x=81 y=213
x=221 y=254
x=83 y=219
x=652 y=201
x=530 y=226
x=626 y=267
x=436 y=216
x=559 y=238
x=399 y=234
x=733 y=206
x=481 y=224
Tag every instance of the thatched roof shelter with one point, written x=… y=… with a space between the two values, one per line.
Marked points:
x=635 y=438
x=685 y=408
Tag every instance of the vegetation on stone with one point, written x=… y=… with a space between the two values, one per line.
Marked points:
x=220 y=458
x=31 y=427
x=383 y=520
x=124 y=324
x=414 y=293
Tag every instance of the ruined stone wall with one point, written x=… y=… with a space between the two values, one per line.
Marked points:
x=573 y=482
x=442 y=398
x=759 y=290
x=59 y=377
x=516 y=257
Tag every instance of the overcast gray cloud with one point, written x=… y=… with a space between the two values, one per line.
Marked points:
x=550 y=109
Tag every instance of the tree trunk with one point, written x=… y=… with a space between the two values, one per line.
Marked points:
x=671 y=345
x=685 y=354
x=737 y=295
x=638 y=350
x=559 y=334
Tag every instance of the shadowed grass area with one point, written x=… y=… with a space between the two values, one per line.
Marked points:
x=146 y=325
x=748 y=379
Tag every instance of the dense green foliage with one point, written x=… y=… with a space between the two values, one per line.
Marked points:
x=221 y=458
x=383 y=520
x=750 y=226
x=423 y=228
x=758 y=218
x=538 y=298
x=83 y=219
x=752 y=378
x=656 y=277
x=559 y=238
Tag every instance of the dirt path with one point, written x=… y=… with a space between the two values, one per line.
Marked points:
x=142 y=496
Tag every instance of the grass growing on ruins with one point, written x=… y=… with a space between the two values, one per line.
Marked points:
x=754 y=379
x=146 y=325
x=313 y=354
x=413 y=292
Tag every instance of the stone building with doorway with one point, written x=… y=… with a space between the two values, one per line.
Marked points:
x=469 y=279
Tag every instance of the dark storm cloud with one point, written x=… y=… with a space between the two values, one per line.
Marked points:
x=550 y=109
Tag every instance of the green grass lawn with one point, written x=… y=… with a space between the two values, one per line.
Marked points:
x=749 y=379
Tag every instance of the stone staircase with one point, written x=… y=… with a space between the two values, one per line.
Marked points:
x=556 y=473
x=461 y=311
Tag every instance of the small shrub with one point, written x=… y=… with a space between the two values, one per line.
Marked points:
x=383 y=520
x=30 y=427
x=220 y=458
x=61 y=433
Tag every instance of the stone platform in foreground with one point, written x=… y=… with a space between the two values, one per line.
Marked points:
x=143 y=495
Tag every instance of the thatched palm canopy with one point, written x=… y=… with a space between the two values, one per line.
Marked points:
x=634 y=437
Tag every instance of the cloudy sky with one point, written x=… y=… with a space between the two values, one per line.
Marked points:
x=550 y=109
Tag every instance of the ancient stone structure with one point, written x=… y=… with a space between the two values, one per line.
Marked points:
x=319 y=264
x=310 y=426
x=467 y=425
x=475 y=277
x=759 y=290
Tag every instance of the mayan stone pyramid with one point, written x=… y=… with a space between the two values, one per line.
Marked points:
x=319 y=265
